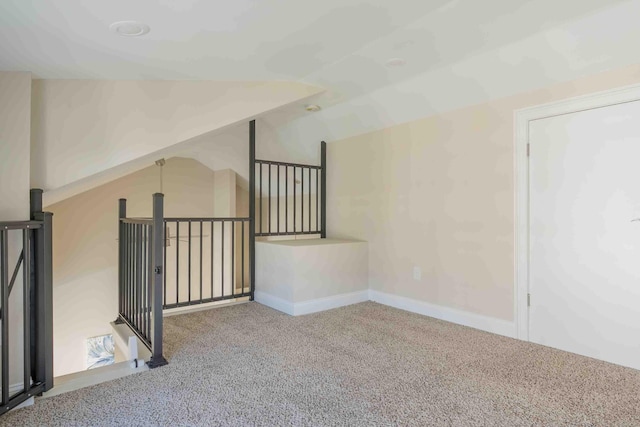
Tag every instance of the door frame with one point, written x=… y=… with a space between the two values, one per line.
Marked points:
x=522 y=118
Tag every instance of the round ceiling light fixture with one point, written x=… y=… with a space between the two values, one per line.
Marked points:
x=312 y=108
x=396 y=62
x=129 y=28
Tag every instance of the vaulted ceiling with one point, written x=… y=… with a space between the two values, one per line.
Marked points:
x=341 y=45
x=452 y=53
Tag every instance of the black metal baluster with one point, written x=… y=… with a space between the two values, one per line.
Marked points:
x=317 y=188
x=242 y=223
x=4 y=291
x=211 y=259
x=26 y=307
x=222 y=263
x=294 y=199
x=233 y=258
x=165 y=296
x=201 y=237
x=260 y=198
x=286 y=199
x=177 y=262
x=278 y=204
x=309 y=169
x=323 y=186
x=125 y=270
x=143 y=296
x=139 y=246
x=132 y=259
x=302 y=200
x=269 y=216
x=150 y=272
x=189 y=264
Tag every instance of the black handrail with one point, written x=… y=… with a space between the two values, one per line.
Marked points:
x=35 y=260
x=297 y=211
x=140 y=276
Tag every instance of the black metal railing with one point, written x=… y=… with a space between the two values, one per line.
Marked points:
x=206 y=260
x=141 y=276
x=27 y=360
x=290 y=198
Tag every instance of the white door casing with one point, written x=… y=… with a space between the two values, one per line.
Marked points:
x=523 y=119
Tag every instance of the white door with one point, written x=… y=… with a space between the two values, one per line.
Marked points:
x=584 y=271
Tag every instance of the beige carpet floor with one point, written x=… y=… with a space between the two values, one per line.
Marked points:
x=362 y=365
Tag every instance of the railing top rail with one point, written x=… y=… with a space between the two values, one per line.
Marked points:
x=147 y=221
x=20 y=225
x=236 y=219
x=298 y=165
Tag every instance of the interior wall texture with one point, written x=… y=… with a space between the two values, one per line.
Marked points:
x=438 y=194
x=15 y=137
x=15 y=134
x=99 y=130
x=85 y=233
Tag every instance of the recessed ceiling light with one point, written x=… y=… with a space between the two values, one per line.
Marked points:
x=396 y=62
x=129 y=28
x=312 y=108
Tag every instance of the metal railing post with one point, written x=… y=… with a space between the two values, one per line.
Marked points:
x=42 y=293
x=4 y=300
x=323 y=194
x=43 y=366
x=35 y=201
x=156 y=281
x=252 y=207
x=122 y=213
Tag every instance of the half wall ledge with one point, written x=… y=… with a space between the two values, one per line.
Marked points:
x=306 y=276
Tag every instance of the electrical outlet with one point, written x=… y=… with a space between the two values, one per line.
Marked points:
x=417 y=273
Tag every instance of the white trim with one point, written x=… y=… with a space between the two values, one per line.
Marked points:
x=310 y=306
x=274 y=302
x=335 y=301
x=477 y=321
x=521 y=139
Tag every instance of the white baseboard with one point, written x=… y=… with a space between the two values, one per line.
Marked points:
x=274 y=302
x=321 y=304
x=465 y=318
x=311 y=306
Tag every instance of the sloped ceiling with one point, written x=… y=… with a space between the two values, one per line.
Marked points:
x=456 y=52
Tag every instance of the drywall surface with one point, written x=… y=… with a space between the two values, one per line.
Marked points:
x=306 y=270
x=15 y=134
x=435 y=199
x=15 y=117
x=84 y=128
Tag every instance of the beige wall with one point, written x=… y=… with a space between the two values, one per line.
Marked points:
x=86 y=127
x=85 y=242
x=15 y=118
x=438 y=194
x=306 y=270
x=15 y=134
x=305 y=219
x=225 y=194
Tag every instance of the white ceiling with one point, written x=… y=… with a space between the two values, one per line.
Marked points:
x=341 y=45
x=457 y=53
